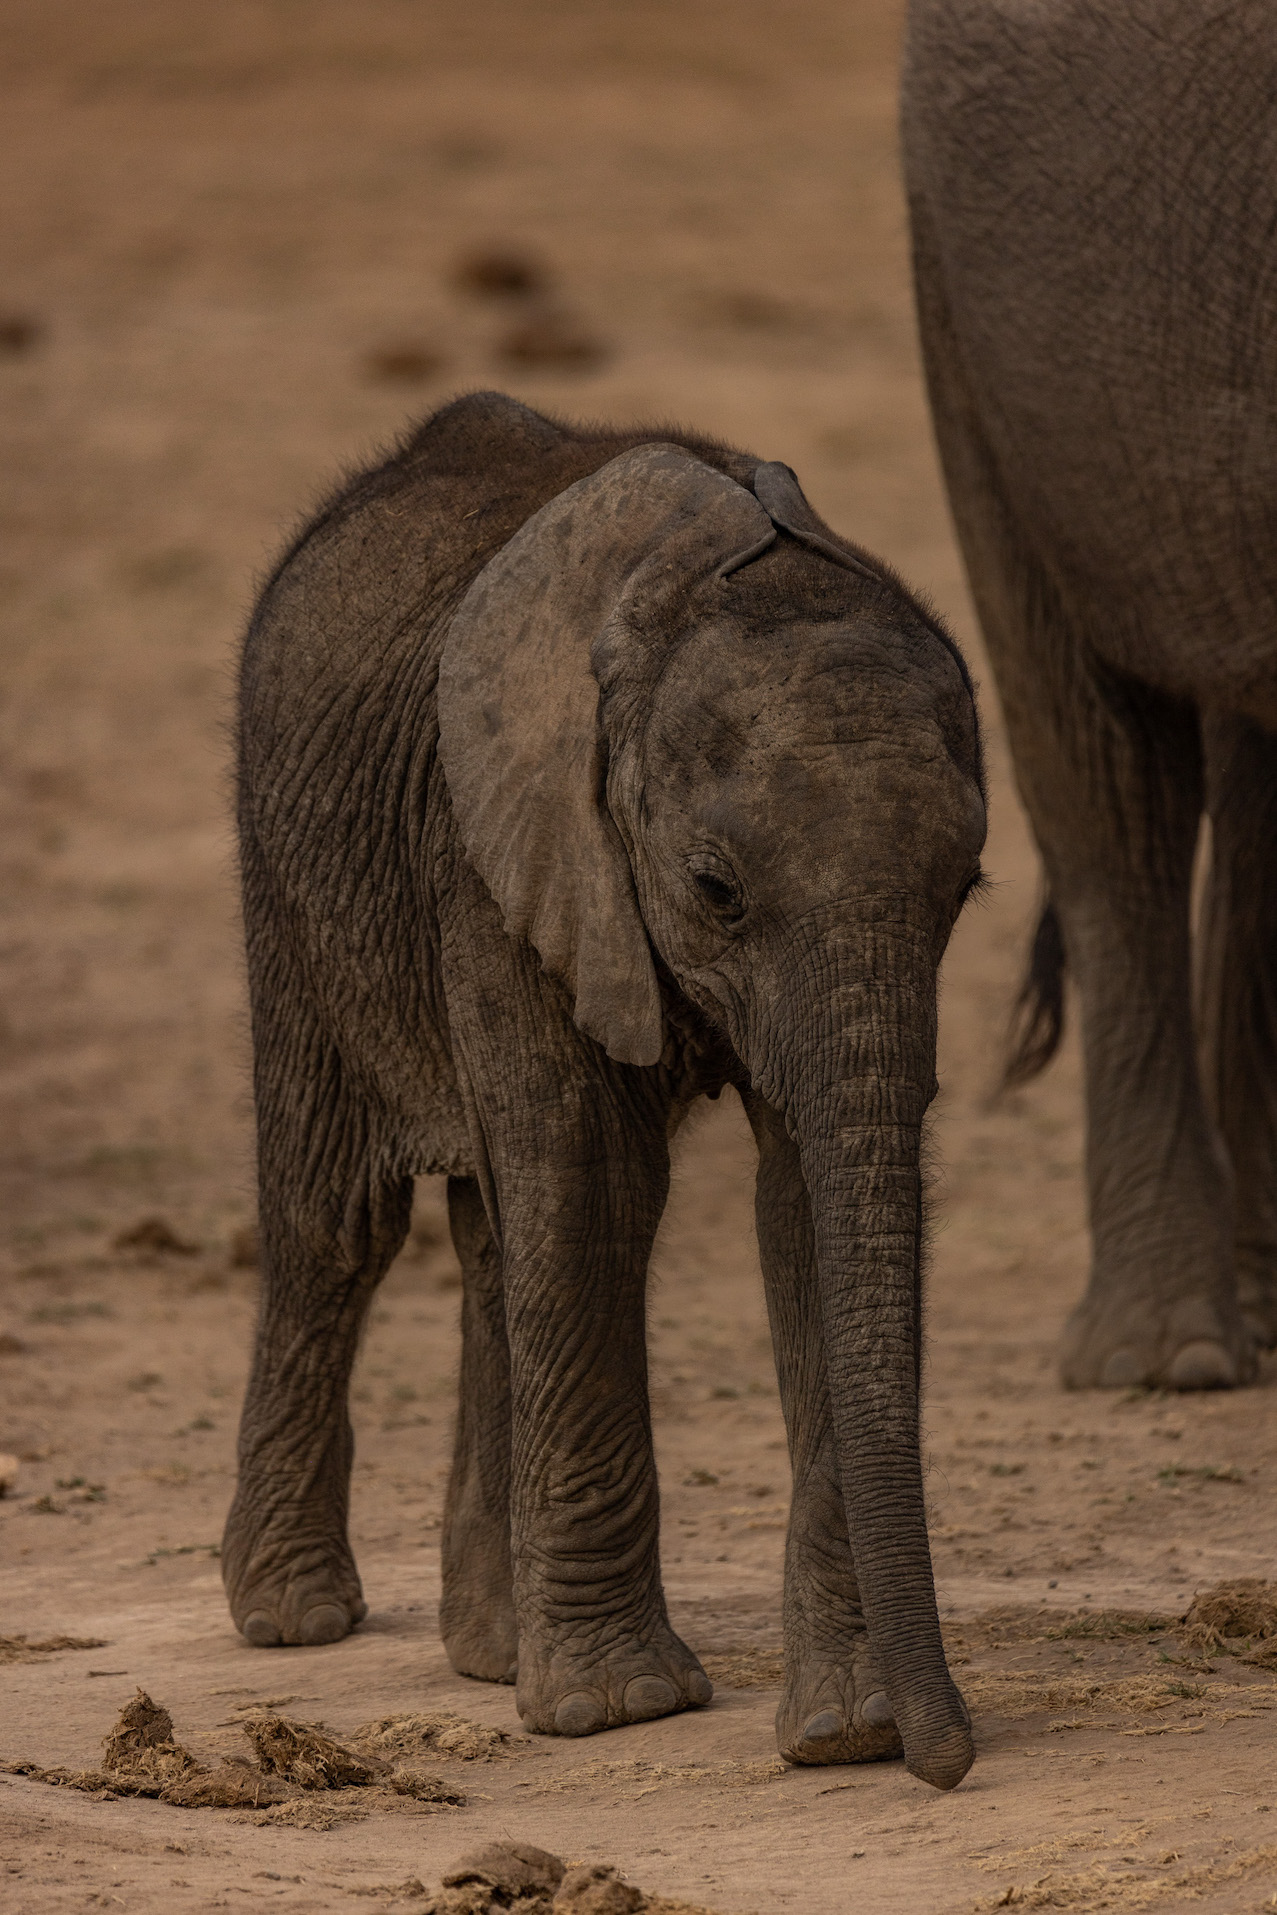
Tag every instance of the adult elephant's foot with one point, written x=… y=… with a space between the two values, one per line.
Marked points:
x=476 y=1609
x=483 y=1640
x=1257 y=1292
x=578 y=1690
x=837 y=1712
x=1126 y=1339
x=286 y=1589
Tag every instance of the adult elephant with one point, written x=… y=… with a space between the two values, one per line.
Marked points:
x=582 y=773
x=1094 y=197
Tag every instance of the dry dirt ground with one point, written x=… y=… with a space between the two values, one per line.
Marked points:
x=236 y=233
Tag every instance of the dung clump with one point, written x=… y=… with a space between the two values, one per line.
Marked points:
x=140 y=1749
x=597 y=1889
x=233 y=1784
x=141 y=1757
x=404 y=362
x=1238 y=1617
x=530 y=1881
x=19 y=333
x=499 y=272
x=306 y=1756
x=549 y=336
x=499 y=1876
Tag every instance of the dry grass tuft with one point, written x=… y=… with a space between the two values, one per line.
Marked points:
x=18 y=1649
x=400 y=1736
x=1101 y=1888
x=638 y=1778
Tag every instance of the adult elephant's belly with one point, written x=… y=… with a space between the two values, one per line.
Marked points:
x=1102 y=214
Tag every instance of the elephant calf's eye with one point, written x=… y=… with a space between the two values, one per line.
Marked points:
x=720 y=893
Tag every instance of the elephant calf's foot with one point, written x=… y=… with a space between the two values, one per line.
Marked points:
x=566 y=1692
x=1132 y=1340
x=279 y=1596
x=837 y=1712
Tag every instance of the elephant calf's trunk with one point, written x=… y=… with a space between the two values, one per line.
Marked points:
x=861 y=1158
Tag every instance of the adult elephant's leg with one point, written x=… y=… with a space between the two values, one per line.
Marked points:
x=332 y=1216
x=476 y=1615
x=1111 y=774
x=1116 y=814
x=835 y=1706
x=1238 y=995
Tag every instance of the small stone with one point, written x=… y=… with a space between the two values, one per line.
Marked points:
x=8 y=1472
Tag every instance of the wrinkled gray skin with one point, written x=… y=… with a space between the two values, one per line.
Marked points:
x=552 y=822
x=1094 y=195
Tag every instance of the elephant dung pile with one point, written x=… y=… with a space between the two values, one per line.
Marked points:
x=294 y=1759
x=1239 y=1618
x=512 y=1876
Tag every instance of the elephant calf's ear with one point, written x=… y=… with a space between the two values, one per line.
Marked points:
x=777 y=489
x=519 y=735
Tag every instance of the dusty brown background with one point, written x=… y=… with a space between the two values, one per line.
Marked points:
x=224 y=220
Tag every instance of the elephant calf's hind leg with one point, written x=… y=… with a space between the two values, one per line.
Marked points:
x=476 y=1615
x=1238 y=996
x=329 y=1230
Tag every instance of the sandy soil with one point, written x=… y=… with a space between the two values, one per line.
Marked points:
x=237 y=230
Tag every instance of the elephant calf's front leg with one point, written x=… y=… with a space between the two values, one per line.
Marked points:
x=595 y=1644
x=835 y=1707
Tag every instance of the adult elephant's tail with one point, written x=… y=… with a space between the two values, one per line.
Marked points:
x=1037 y=1023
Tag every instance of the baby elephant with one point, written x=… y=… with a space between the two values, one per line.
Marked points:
x=581 y=774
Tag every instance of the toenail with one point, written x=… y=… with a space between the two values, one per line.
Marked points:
x=824 y=1727
x=647 y=1697
x=579 y=1715
x=1122 y=1371
x=877 y=1710
x=358 y=1610
x=261 y=1630
x=1202 y=1364
x=699 y=1688
x=326 y=1622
